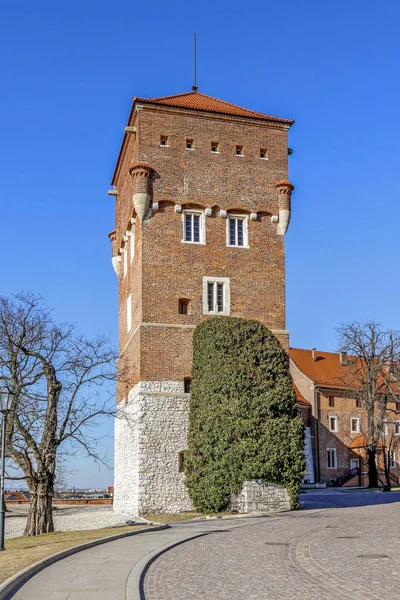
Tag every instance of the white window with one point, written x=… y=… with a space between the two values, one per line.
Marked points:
x=193 y=227
x=333 y=423
x=129 y=313
x=331 y=459
x=125 y=252
x=216 y=296
x=132 y=242
x=396 y=428
x=385 y=428
x=237 y=231
x=354 y=463
x=354 y=425
x=392 y=462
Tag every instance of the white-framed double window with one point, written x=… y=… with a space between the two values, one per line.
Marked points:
x=216 y=296
x=355 y=425
x=333 y=424
x=129 y=313
x=237 y=231
x=331 y=458
x=193 y=227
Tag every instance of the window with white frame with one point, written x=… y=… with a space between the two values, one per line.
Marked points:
x=385 y=429
x=396 y=428
x=333 y=423
x=391 y=460
x=129 y=313
x=132 y=242
x=331 y=459
x=354 y=463
x=193 y=227
x=354 y=425
x=125 y=253
x=237 y=231
x=216 y=296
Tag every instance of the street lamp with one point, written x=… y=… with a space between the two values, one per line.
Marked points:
x=6 y=398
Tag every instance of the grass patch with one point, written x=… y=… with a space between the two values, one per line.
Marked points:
x=21 y=552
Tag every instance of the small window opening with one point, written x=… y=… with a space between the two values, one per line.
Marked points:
x=239 y=150
x=358 y=402
x=186 y=385
x=333 y=423
x=164 y=140
x=189 y=144
x=214 y=146
x=263 y=153
x=331 y=401
x=183 y=306
x=181 y=462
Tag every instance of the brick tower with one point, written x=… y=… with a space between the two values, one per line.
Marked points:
x=202 y=203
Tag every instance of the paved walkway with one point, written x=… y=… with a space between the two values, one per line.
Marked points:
x=350 y=550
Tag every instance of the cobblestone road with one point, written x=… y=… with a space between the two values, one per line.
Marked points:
x=331 y=554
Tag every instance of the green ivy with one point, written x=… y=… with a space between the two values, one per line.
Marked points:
x=243 y=420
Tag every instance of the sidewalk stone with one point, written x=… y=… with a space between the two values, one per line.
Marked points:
x=305 y=555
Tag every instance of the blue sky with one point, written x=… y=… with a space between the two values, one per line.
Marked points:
x=68 y=73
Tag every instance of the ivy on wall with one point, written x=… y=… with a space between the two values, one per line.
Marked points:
x=243 y=420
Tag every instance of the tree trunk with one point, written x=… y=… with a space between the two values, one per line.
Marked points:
x=40 y=514
x=387 y=486
x=372 y=470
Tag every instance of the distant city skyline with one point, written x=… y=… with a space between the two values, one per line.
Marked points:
x=70 y=74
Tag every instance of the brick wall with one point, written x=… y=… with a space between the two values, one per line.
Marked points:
x=163 y=268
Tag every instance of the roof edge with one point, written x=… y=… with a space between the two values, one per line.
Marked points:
x=256 y=116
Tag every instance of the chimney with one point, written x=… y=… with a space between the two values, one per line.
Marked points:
x=314 y=354
x=343 y=358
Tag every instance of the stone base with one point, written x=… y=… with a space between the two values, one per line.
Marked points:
x=260 y=496
x=150 y=433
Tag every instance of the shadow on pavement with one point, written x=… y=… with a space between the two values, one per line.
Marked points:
x=330 y=498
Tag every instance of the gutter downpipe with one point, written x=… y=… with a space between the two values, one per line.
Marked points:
x=316 y=401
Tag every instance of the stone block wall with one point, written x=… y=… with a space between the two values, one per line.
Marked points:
x=151 y=431
x=260 y=496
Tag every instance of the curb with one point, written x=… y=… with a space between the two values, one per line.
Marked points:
x=252 y=515
x=10 y=586
x=135 y=582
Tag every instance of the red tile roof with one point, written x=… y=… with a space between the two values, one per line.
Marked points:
x=198 y=101
x=326 y=370
x=361 y=441
x=300 y=399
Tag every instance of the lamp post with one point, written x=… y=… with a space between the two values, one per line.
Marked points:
x=6 y=398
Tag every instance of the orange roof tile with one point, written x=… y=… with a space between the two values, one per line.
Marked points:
x=198 y=101
x=361 y=441
x=326 y=370
x=300 y=399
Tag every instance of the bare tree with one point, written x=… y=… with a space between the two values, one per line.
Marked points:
x=57 y=378
x=373 y=358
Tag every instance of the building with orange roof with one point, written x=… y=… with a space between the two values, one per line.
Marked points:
x=337 y=422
